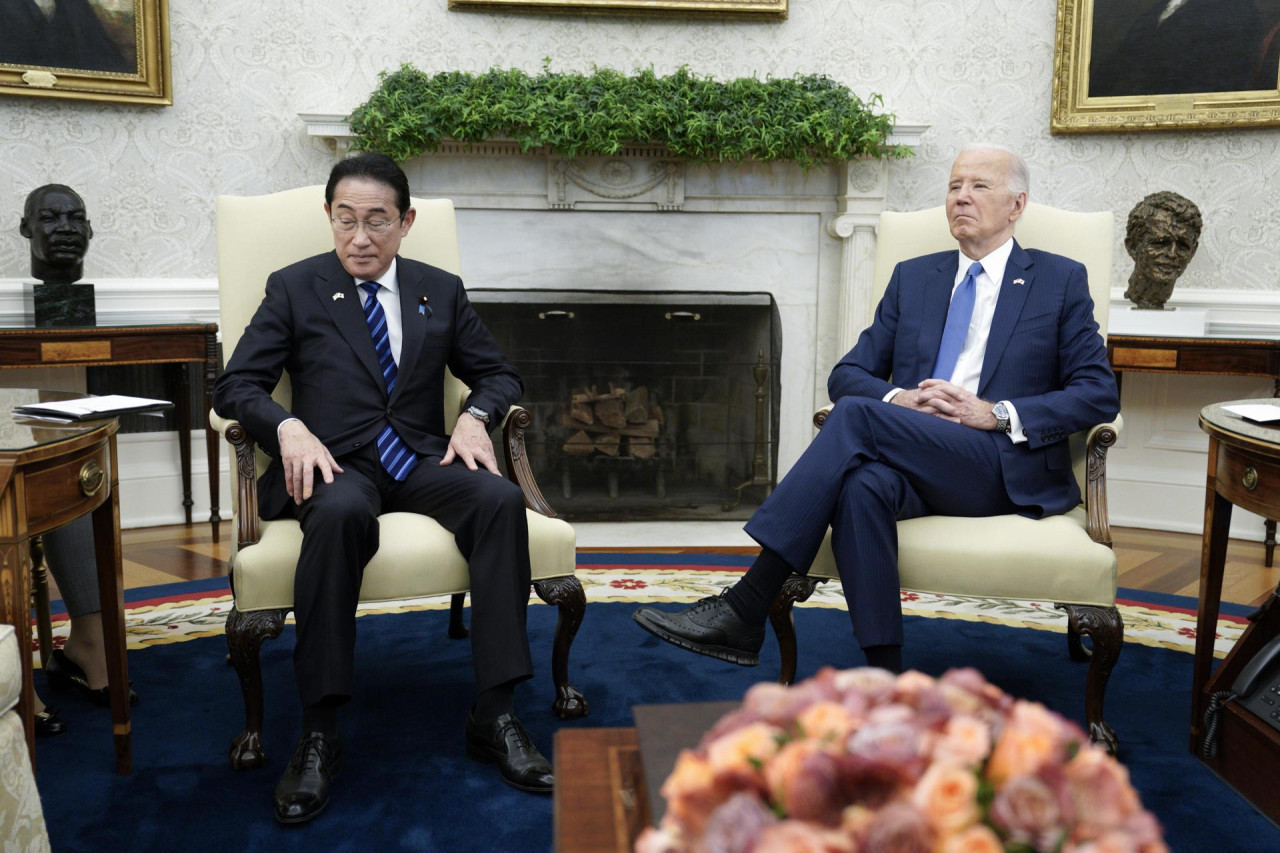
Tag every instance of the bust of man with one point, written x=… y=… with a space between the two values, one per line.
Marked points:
x=1163 y=234
x=54 y=221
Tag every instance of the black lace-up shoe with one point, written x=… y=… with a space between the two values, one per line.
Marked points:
x=303 y=789
x=710 y=627
x=506 y=742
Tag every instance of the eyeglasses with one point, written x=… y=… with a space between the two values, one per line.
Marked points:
x=371 y=226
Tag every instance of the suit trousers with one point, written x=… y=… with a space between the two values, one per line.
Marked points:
x=871 y=465
x=484 y=512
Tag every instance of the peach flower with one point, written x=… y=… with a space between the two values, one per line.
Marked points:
x=965 y=740
x=948 y=795
x=785 y=765
x=1032 y=736
x=974 y=839
x=899 y=828
x=793 y=836
x=828 y=723
x=744 y=750
x=1098 y=787
x=691 y=793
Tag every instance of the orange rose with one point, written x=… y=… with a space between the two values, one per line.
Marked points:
x=746 y=749
x=948 y=795
x=975 y=839
x=966 y=740
x=827 y=723
x=691 y=793
x=1032 y=736
x=785 y=765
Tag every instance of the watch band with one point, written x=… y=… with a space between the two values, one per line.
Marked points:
x=478 y=413
x=1001 y=413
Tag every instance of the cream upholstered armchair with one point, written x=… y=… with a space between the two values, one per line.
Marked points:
x=21 y=816
x=417 y=557
x=1066 y=559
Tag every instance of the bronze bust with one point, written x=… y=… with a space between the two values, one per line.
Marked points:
x=55 y=222
x=1163 y=234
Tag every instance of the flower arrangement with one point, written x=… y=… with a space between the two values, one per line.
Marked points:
x=863 y=761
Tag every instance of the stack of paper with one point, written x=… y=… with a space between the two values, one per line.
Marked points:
x=91 y=408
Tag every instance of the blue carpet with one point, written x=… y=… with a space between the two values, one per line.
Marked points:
x=407 y=785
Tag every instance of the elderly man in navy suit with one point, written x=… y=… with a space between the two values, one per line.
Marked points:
x=958 y=400
x=365 y=336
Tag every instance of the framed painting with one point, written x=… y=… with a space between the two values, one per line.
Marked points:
x=95 y=50
x=755 y=9
x=1125 y=65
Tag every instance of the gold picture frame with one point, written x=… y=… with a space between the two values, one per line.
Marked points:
x=1113 y=69
x=119 y=51
x=753 y=9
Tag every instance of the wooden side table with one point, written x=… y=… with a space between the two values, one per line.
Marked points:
x=1258 y=357
x=178 y=345
x=1244 y=470
x=50 y=474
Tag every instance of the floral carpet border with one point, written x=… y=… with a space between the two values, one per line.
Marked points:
x=178 y=618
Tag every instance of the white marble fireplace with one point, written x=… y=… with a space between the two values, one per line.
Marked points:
x=646 y=221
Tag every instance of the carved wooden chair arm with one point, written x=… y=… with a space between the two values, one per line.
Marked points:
x=519 y=419
x=247 y=532
x=1098 y=441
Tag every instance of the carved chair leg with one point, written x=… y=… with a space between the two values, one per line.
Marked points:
x=40 y=599
x=457 y=628
x=1105 y=627
x=245 y=633
x=567 y=594
x=796 y=588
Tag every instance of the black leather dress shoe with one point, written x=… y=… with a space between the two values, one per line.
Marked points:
x=710 y=627
x=303 y=789
x=505 y=742
x=49 y=724
x=65 y=674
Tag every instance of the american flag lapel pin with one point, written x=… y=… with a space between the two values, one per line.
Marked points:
x=339 y=295
x=1019 y=281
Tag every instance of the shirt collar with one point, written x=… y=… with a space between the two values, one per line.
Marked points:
x=388 y=279
x=993 y=264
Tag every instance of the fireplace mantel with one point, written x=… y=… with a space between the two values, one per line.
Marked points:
x=647 y=220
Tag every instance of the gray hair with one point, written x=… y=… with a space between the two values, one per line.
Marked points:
x=1019 y=175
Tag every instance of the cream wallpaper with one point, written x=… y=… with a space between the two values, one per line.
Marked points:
x=244 y=69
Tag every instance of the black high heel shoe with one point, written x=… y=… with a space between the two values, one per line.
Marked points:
x=49 y=724
x=64 y=674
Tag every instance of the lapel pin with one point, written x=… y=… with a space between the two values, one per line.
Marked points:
x=339 y=295
x=1019 y=281
x=423 y=308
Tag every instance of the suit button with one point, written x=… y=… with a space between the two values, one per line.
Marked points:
x=357 y=443
x=389 y=411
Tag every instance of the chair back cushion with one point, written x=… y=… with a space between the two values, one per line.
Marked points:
x=258 y=235
x=1085 y=237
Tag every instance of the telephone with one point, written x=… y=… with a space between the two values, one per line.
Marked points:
x=1257 y=688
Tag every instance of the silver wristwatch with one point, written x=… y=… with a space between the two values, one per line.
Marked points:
x=1001 y=411
x=478 y=413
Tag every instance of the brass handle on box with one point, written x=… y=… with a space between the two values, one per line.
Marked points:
x=545 y=315
x=682 y=315
x=91 y=478
x=1251 y=478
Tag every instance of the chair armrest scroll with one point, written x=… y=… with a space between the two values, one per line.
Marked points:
x=516 y=422
x=1098 y=441
x=820 y=416
x=247 y=532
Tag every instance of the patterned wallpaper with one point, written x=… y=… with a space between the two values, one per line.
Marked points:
x=244 y=69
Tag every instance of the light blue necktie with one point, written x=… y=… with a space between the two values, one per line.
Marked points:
x=395 y=455
x=957 y=327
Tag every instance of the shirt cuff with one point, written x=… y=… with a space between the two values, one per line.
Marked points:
x=888 y=398
x=1016 y=433
x=282 y=423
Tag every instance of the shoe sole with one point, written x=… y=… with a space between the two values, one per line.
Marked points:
x=483 y=757
x=723 y=653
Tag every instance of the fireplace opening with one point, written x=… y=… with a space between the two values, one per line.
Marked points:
x=646 y=406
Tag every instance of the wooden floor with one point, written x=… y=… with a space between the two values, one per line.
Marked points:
x=1149 y=560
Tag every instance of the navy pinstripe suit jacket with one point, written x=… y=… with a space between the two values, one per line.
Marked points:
x=1044 y=355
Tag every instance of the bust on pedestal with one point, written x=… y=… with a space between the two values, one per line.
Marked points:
x=1162 y=235
x=55 y=222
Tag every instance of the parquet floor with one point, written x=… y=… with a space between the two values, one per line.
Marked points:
x=1149 y=560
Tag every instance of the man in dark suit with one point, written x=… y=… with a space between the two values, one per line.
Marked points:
x=365 y=336
x=957 y=400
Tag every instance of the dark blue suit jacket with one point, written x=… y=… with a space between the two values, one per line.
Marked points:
x=338 y=389
x=1044 y=355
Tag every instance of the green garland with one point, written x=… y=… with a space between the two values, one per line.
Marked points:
x=805 y=119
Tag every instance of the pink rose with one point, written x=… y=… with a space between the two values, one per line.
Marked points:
x=899 y=828
x=657 y=841
x=947 y=794
x=793 y=836
x=1029 y=810
x=736 y=824
x=975 y=839
x=1099 y=790
x=692 y=791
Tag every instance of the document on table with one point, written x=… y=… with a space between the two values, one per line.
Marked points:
x=1264 y=414
x=91 y=408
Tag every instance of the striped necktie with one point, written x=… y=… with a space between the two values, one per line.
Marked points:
x=395 y=455
x=957 y=327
